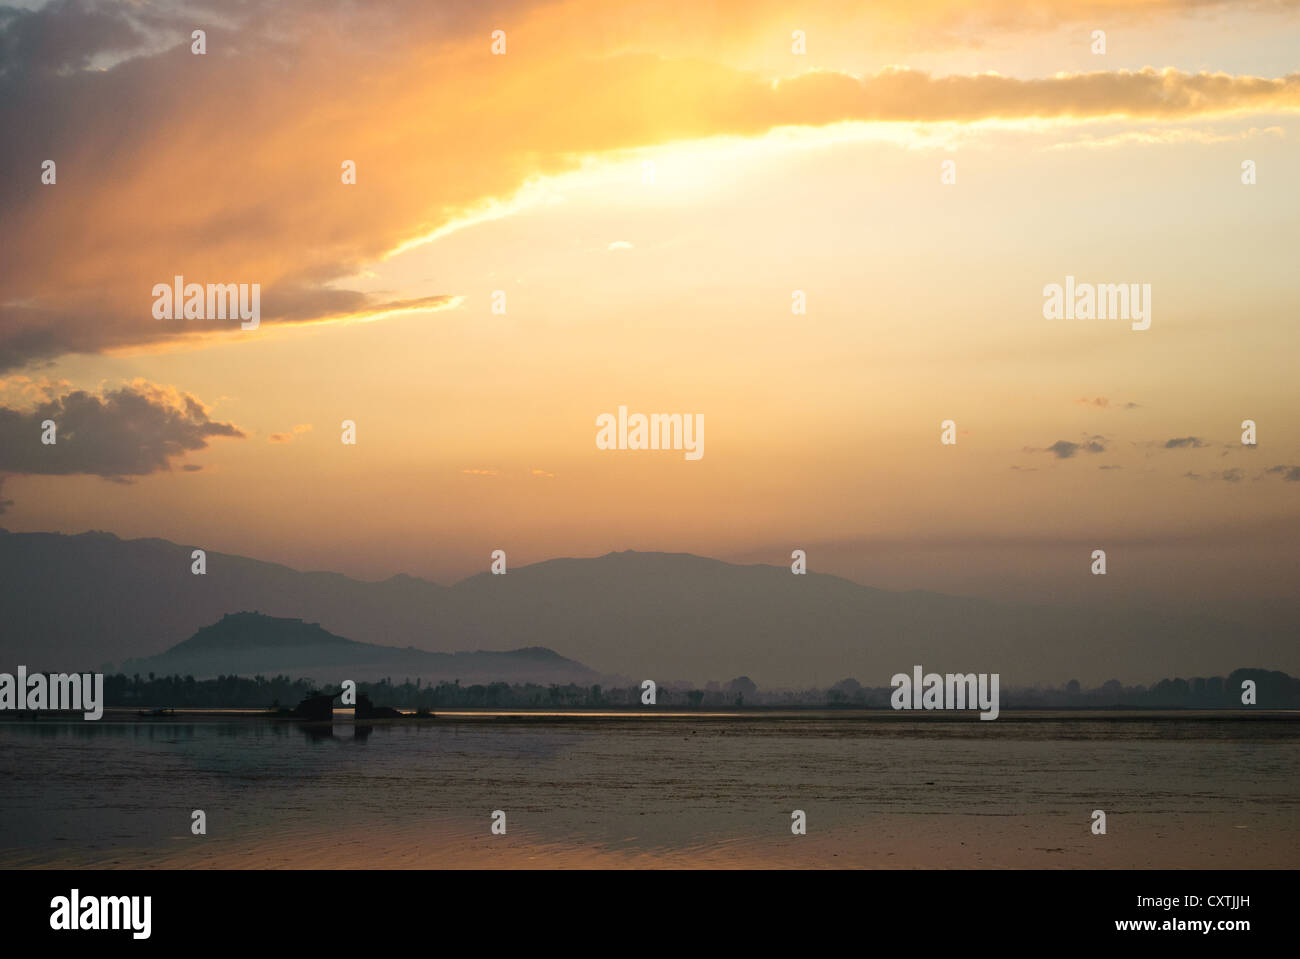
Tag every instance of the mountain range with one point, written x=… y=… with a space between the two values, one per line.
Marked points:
x=83 y=601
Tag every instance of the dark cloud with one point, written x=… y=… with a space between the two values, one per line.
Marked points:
x=133 y=431
x=1064 y=449
x=65 y=35
x=29 y=334
x=102 y=87
x=4 y=503
x=1289 y=473
x=1184 y=442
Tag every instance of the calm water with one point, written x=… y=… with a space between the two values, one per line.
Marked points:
x=876 y=791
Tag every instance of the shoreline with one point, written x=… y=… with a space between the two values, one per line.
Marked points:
x=1090 y=714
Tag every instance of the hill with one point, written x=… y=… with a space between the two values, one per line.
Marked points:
x=249 y=644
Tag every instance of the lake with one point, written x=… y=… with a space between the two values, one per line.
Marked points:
x=1211 y=790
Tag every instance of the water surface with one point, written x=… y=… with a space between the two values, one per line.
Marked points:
x=1191 y=790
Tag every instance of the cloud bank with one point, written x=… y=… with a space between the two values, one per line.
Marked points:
x=226 y=167
x=133 y=431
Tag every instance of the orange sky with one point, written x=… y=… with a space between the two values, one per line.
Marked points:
x=772 y=172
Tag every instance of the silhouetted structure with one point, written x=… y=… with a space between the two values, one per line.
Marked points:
x=316 y=708
x=365 y=709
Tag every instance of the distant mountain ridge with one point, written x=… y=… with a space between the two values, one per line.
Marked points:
x=76 y=602
x=250 y=644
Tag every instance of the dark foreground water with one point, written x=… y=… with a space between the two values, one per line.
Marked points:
x=876 y=791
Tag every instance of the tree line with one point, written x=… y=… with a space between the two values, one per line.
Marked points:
x=1273 y=689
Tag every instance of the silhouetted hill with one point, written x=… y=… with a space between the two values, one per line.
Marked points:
x=80 y=601
x=250 y=644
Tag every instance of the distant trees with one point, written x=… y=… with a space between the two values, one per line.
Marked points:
x=229 y=692
x=1273 y=690
x=740 y=687
x=847 y=692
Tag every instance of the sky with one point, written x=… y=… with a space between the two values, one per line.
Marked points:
x=648 y=184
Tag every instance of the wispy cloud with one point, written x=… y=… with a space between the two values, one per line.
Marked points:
x=1155 y=136
x=290 y=436
x=1103 y=403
